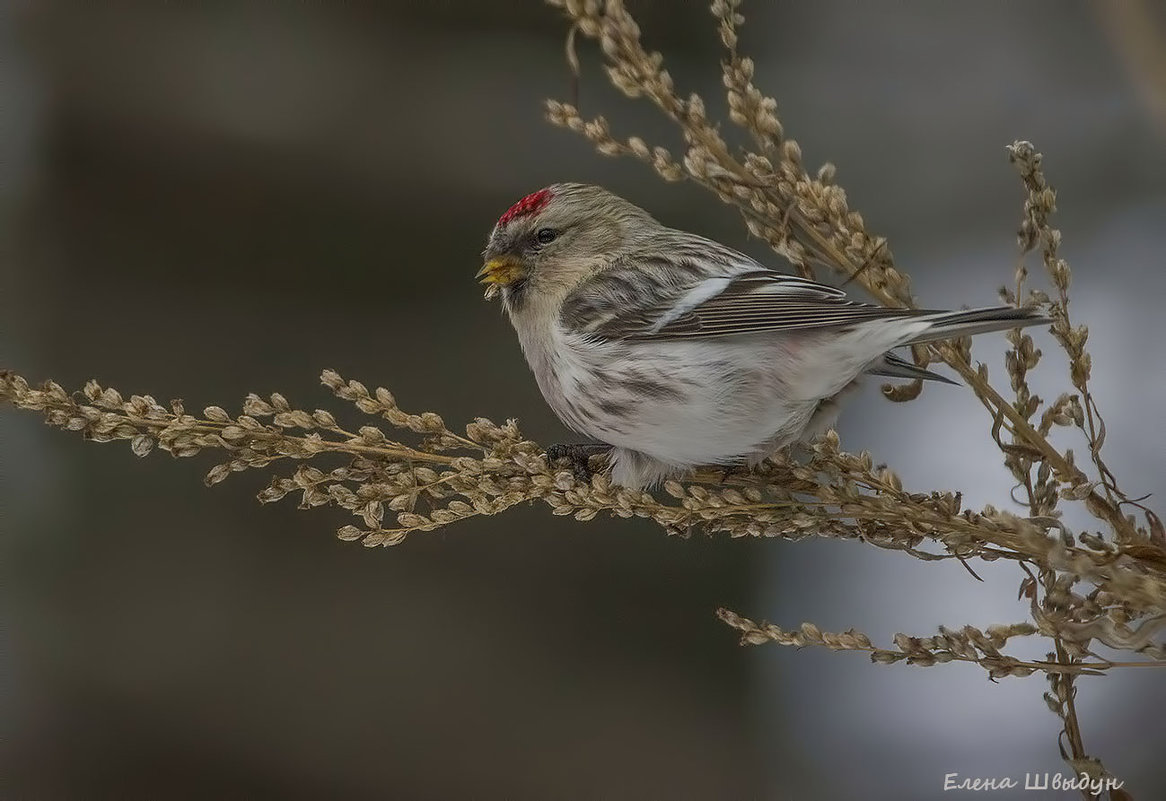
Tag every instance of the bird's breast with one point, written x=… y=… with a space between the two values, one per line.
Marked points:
x=564 y=366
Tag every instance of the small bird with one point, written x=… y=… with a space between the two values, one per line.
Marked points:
x=677 y=351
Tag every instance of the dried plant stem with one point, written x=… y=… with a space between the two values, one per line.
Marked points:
x=806 y=219
x=967 y=645
x=491 y=467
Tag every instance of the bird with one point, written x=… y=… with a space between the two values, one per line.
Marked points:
x=671 y=351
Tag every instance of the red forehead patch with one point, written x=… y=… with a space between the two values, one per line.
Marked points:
x=531 y=204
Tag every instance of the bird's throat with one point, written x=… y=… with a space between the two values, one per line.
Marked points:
x=514 y=294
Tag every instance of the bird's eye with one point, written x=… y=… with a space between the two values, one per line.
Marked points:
x=546 y=235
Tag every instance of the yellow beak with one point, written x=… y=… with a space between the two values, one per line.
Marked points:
x=500 y=272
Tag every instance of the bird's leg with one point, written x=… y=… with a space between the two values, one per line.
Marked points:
x=739 y=468
x=579 y=454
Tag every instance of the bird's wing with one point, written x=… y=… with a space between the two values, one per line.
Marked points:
x=674 y=298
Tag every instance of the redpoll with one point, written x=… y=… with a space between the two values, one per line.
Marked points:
x=677 y=351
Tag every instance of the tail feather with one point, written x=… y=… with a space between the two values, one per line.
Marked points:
x=891 y=365
x=949 y=325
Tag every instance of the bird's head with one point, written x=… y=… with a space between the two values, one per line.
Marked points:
x=552 y=239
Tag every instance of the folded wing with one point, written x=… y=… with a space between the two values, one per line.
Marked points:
x=751 y=301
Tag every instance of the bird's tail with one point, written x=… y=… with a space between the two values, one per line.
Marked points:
x=948 y=325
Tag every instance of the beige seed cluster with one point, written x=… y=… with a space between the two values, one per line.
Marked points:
x=1092 y=586
x=395 y=487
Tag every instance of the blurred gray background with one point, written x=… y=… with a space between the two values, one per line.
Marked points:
x=206 y=200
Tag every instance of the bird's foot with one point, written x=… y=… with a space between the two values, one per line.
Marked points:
x=735 y=469
x=579 y=454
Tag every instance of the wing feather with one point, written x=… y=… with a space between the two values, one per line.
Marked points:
x=706 y=290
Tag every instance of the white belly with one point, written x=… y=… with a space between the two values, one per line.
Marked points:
x=682 y=403
x=668 y=406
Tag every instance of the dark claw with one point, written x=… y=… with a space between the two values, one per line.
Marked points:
x=732 y=469
x=579 y=454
